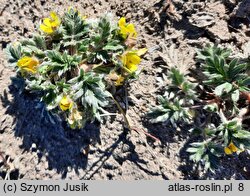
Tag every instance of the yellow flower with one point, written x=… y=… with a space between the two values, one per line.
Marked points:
x=65 y=103
x=28 y=64
x=126 y=30
x=142 y=51
x=84 y=17
x=230 y=149
x=131 y=59
x=227 y=151
x=50 y=24
x=119 y=81
x=233 y=147
x=75 y=119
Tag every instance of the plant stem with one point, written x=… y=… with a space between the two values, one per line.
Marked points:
x=128 y=124
x=123 y=113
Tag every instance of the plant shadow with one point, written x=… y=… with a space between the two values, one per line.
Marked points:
x=167 y=135
x=235 y=167
x=230 y=167
x=130 y=155
x=63 y=147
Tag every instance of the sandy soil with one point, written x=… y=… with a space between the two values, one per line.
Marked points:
x=35 y=149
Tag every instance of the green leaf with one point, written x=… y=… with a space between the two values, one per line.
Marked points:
x=211 y=107
x=55 y=56
x=192 y=150
x=113 y=47
x=78 y=94
x=74 y=27
x=13 y=53
x=232 y=65
x=176 y=77
x=237 y=70
x=223 y=88
x=210 y=131
x=246 y=82
x=235 y=95
x=242 y=134
x=40 y=42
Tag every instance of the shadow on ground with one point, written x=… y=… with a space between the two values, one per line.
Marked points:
x=229 y=167
x=62 y=146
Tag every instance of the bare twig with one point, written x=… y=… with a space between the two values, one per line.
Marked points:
x=128 y=123
x=146 y=133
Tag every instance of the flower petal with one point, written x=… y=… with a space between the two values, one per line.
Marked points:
x=21 y=62
x=65 y=103
x=28 y=64
x=53 y=15
x=46 y=29
x=64 y=107
x=123 y=32
x=32 y=70
x=131 y=30
x=132 y=67
x=141 y=51
x=133 y=58
x=124 y=59
x=53 y=22
x=47 y=22
x=122 y=22
x=232 y=147
x=119 y=81
x=227 y=151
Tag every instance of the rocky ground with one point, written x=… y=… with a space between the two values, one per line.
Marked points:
x=32 y=148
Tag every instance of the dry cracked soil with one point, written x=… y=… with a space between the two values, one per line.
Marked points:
x=35 y=149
